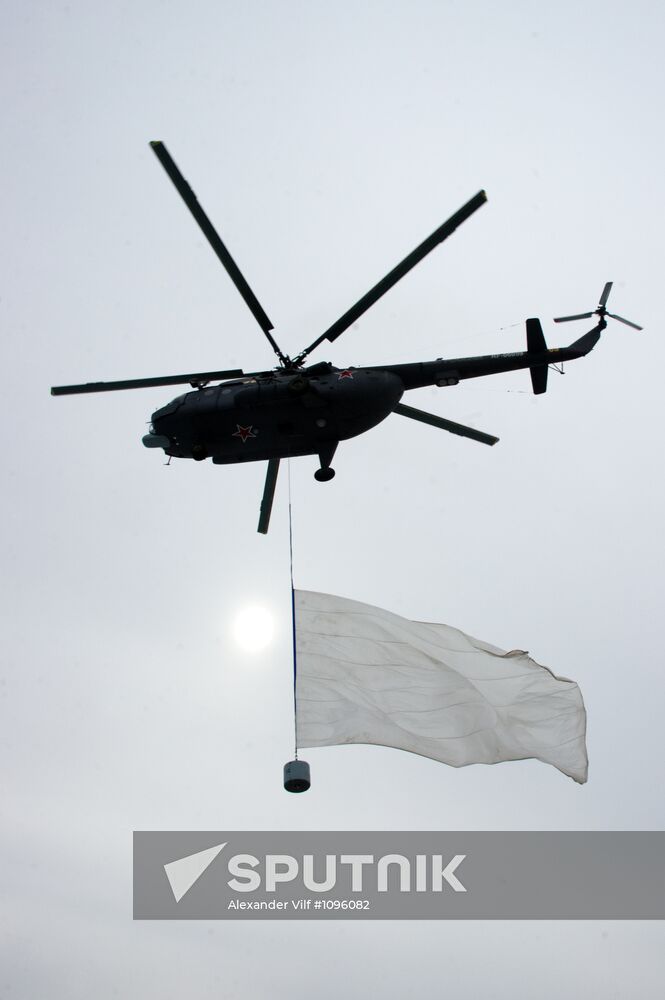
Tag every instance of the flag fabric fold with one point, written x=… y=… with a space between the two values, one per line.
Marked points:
x=365 y=675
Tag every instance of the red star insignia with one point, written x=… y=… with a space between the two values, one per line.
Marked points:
x=244 y=433
x=347 y=373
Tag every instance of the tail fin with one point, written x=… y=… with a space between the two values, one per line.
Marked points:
x=588 y=341
x=535 y=344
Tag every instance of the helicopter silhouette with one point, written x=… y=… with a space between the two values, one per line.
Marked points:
x=294 y=409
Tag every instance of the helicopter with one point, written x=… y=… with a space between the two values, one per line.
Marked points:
x=296 y=409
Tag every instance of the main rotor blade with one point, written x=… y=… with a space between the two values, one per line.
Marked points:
x=213 y=238
x=144 y=383
x=375 y=293
x=567 y=319
x=268 y=495
x=445 y=425
x=626 y=321
x=606 y=291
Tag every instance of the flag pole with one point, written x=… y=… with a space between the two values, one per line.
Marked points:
x=293 y=618
x=296 y=772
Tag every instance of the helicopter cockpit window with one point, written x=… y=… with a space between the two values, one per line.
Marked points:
x=171 y=407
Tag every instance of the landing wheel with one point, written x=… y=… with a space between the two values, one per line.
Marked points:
x=199 y=453
x=325 y=473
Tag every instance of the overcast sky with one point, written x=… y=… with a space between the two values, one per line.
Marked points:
x=325 y=141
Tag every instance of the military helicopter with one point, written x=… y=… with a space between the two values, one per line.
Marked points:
x=297 y=409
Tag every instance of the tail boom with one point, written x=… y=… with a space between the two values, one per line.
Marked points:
x=537 y=357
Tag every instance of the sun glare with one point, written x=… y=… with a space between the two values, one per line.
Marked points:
x=253 y=628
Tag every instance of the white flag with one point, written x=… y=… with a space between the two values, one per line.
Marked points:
x=365 y=675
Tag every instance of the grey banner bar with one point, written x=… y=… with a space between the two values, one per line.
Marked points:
x=399 y=875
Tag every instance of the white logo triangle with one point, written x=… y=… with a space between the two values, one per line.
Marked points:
x=183 y=873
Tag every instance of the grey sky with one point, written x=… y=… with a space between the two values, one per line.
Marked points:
x=325 y=142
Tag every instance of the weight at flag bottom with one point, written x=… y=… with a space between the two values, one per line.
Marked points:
x=365 y=675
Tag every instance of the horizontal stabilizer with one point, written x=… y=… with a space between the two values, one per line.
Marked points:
x=535 y=338
x=535 y=344
x=539 y=379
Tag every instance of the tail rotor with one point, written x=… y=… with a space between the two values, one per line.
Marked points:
x=600 y=311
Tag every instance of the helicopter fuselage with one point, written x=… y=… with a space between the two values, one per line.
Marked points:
x=275 y=415
x=282 y=413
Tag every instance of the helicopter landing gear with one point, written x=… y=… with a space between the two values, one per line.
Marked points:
x=325 y=473
x=199 y=453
